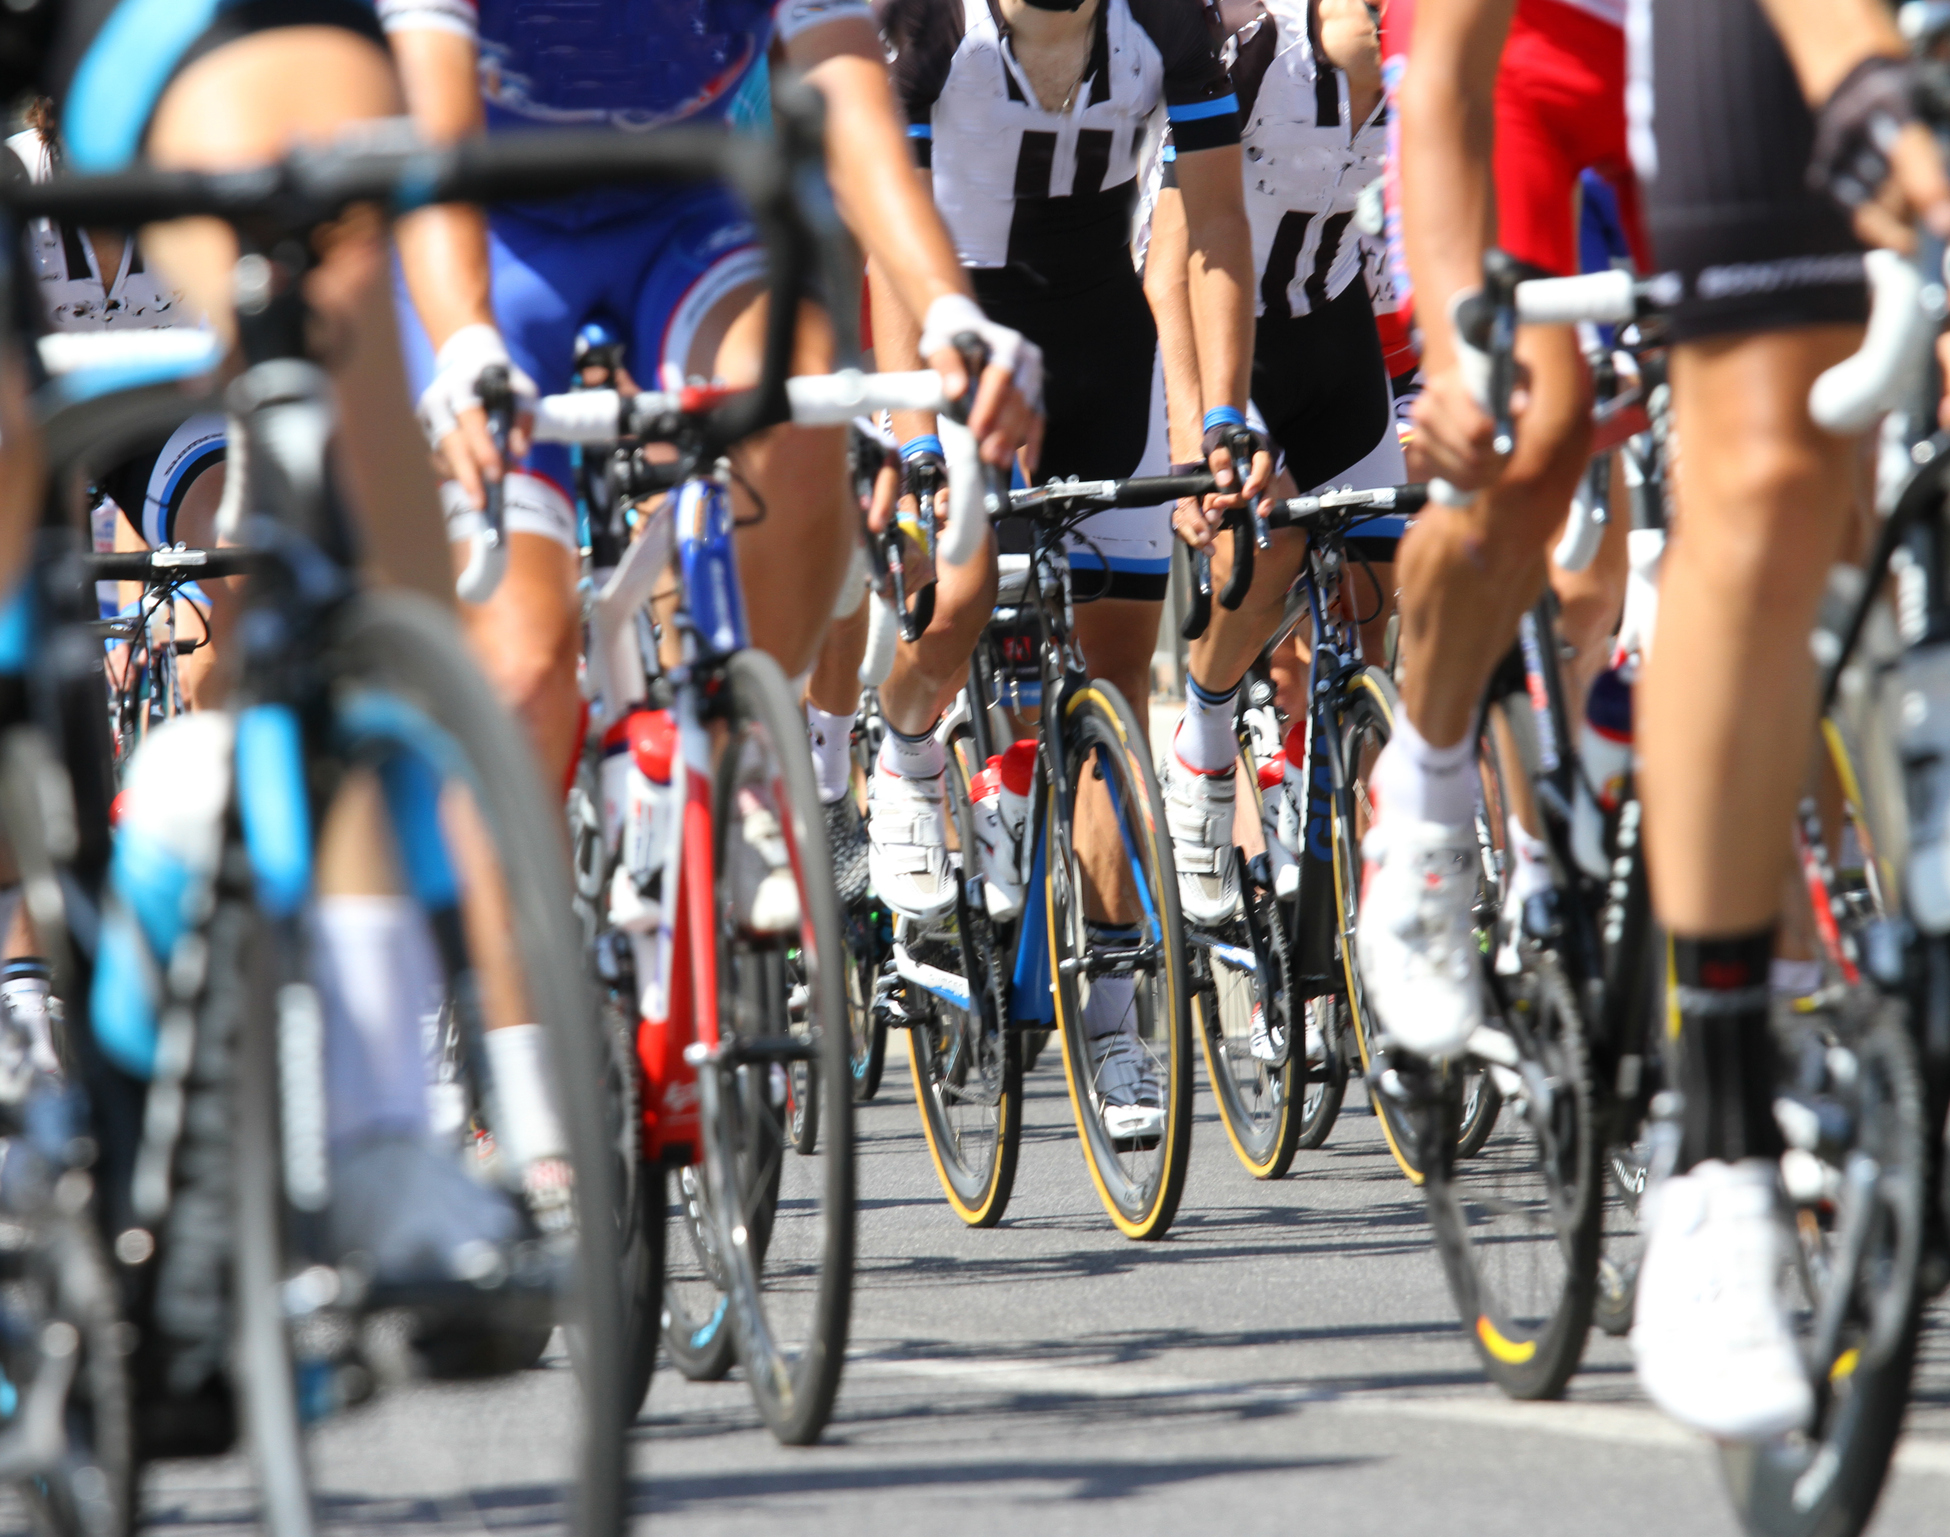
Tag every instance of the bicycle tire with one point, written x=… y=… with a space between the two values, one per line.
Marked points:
x=696 y=1313
x=90 y=1492
x=1364 y=720
x=1482 y=1104
x=787 y=1217
x=1323 y=1094
x=1256 y=1096
x=1826 y=1484
x=1518 y=1226
x=869 y=1030
x=1101 y=737
x=409 y=646
x=967 y=1063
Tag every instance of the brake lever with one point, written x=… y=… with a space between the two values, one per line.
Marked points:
x=1501 y=274
x=1199 y=615
x=498 y=397
x=1241 y=521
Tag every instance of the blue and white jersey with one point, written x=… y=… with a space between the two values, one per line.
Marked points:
x=630 y=64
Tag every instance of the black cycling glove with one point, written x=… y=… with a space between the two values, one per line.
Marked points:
x=1857 y=127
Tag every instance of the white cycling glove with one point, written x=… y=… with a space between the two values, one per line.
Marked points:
x=953 y=315
x=456 y=378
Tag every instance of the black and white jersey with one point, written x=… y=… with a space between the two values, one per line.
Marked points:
x=1052 y=193
x=1306 y=159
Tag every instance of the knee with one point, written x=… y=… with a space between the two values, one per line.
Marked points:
x=1768 y=520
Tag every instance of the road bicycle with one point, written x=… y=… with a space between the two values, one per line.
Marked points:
x=1864 y=1081
x=1047 y=920
x=209 y=1102
x=719 y=932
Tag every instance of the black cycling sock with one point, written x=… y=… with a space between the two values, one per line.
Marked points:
x=1720 y=999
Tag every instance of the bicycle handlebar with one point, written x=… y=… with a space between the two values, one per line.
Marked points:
x=1847 y=398
x=170 y=565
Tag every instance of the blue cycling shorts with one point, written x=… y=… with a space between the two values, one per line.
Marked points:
x=651 y=278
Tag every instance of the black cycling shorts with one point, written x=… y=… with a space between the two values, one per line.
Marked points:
x=1100 y=347
x=1321 y=386
x=113 y=59
x=1724 y=160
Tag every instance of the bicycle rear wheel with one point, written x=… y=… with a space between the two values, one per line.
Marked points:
x=1518 y=1224
x=967 y=1063
x=1825 y=1482
x=784 y=1208
x=1139 y=1180
x=696 y=1318
x=1326 y=1086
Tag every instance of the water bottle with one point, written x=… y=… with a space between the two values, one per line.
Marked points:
x=1605 y=756
x=1000 y=793
x=639 y=812
x=1923 y=740
x=1283 y=792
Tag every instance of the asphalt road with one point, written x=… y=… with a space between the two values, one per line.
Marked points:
x=1287 y=1360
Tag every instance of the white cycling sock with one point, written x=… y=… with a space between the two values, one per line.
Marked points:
x=1429 y=784
x=831 y=737
x=1205 y=739
x=912 y=757
x=377 y=975
x=1530 y=863
x=1793 y=979
x=524 y=1088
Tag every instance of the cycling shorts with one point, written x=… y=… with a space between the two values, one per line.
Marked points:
x=1103 y=395
x=1722 y=136
x=1560 y=110
x=113 y=59
x=651 y=279
x=150 y=486
x=1321 y=387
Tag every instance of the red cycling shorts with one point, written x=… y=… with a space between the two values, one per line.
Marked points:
x=1560 y=109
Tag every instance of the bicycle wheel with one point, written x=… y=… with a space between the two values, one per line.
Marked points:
x=1242 y=1012
x=1139 y=1180
x=967 y=1062
x=1326 y=1086
x=868 y=927
x=1482 y=1103
x=408 y=709
x=1518 y=1225
x=1859 y=1217
x=1365 y=721
x=696 y=1317
x=784 y=1208
x=1626 y=1170
x=64 y=1355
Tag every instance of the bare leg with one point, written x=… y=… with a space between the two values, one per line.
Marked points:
x=1469 y=574
x=1730 y=680
x=1118 y=637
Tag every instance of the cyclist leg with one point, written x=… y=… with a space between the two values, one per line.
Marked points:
x=1763 y=505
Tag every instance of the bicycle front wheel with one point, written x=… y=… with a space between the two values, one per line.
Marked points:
x=967 y=1063
x=1116 y=951
x=783 y=1193
x=1366 y=720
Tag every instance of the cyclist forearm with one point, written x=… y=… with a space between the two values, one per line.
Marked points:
x=443 y=250
x=1447 y=124
x=1166 y=285
x=871 y=168
x=1219 y=273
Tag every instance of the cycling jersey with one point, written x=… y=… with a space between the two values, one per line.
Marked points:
x=1722 y=135
x=1307 y=160
x=1041 y=206
x=74 y=294
x=630 y=64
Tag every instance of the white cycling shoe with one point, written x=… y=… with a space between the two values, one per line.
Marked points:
x=907 y=845
x=1416 y=939
x=764 y=893
x=1198 y=810
x=1710 y=1331
x=1134 y=1103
